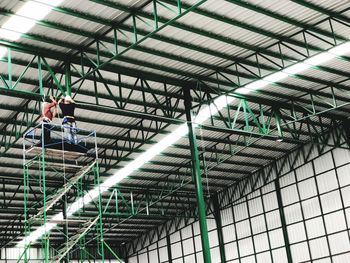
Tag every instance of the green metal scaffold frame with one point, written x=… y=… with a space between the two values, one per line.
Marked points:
x=78 y=167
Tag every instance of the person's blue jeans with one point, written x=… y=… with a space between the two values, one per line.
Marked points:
x=70 y=132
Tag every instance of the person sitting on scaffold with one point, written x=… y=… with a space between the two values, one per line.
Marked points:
x=67 y=106
x=46 y=117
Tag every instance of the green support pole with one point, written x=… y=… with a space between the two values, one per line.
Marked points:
x=101 y=241
x=218 y=221
x=65 y=225
x=283 y=221
x=126 y=257
x=168 y=245
x=68 y=80
x=43 y=178
x=196 y=174
x=26 y=214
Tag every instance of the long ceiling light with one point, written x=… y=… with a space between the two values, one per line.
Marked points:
x=217 y=105
x=24 y=19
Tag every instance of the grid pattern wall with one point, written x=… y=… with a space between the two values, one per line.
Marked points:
x=316 y=202
x=252 y=228
x=184 y=246
x=316 y=209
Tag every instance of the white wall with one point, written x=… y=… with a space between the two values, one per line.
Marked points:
x=316 y=203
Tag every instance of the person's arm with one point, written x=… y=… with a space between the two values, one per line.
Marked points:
x=54 y=112
x=60 y=100
x=43 y=109
x=53 y=99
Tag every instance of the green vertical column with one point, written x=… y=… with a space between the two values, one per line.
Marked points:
x=283 y=221
x=45 y=238
x=65 y=225
x=26 y=213
x=196 y=174
x=100 y=222
x=68 y=80
x=126 y=257
x=168 y=245
x=218 y=221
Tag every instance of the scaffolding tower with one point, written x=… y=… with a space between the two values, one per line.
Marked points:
x=62 y=164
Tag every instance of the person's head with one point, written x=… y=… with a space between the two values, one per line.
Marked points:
x=68 y=99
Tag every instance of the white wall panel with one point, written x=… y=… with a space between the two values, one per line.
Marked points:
x=327 y=182
x=304 y=171
x=261 y=242
x=243 y=229
x=323 y=163
x=319 y=247
x=344 y=258
x=276 y=238
x=311 y=207
x=331 y=202
x=188 y=246
x=289 y=195
x=273 y=220
x=229 y=233
x=258 y=224
x=240 y=211
x=270 y=201
x=250 y=259
x=341 y=156
x=343 y=175
x=300 y=252
x=264 y=257
x=307 y=188
x=315 y=227
x=176 y=250
x=245 y=246
x=231 y=251
x=213 y=238
x=215 y=255
x=335 y=222
x=226 y=216
x=255 y=206
x=133 y=259
x=163 y=254
x=153 y=256
x=296 y=232
x=293 y=213
x=339 y=243
x=279 y=255
x=345 y=192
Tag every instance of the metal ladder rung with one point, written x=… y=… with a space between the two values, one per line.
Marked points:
x=64 y=250
x=66 y=187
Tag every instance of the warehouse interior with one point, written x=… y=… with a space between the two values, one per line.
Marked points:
x=213 y=131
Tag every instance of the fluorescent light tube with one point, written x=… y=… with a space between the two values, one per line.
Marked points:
x=296 y=68
x=341 y=50
x=319 y=59
x=275 y=77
